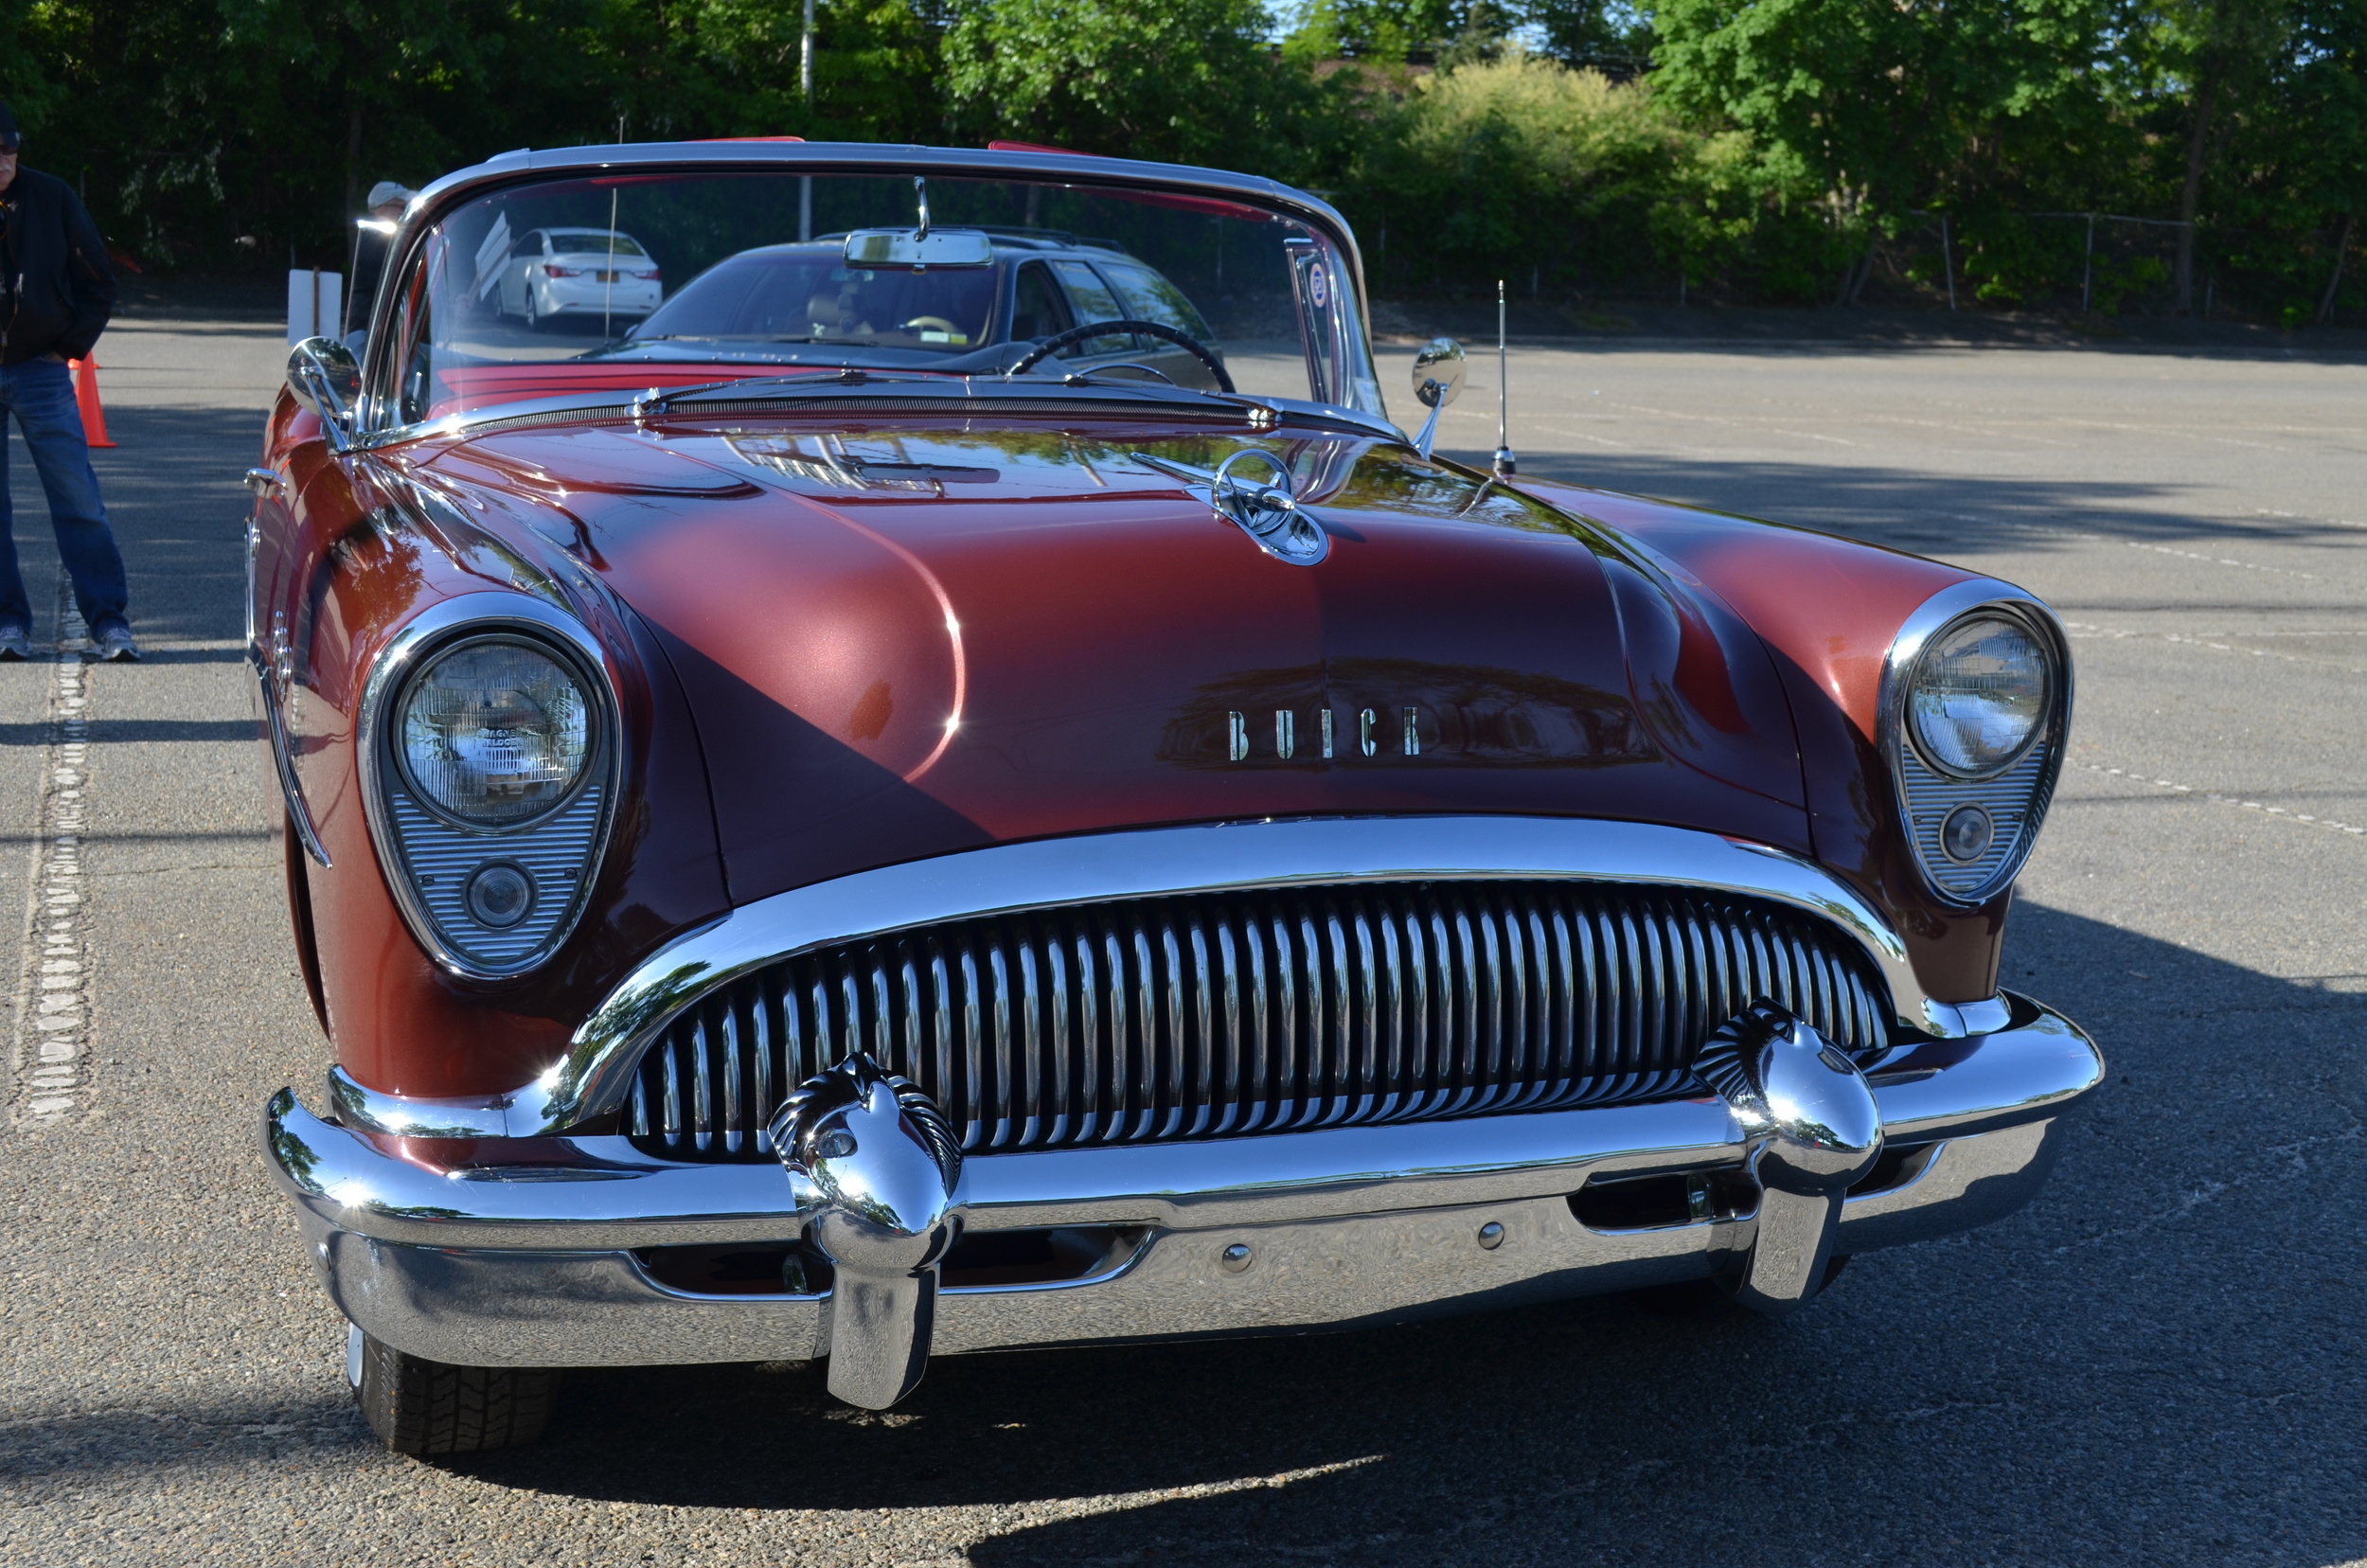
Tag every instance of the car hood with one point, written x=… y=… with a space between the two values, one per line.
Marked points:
x=902 y=640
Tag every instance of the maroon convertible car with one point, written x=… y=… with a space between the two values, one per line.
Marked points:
x=962 y=785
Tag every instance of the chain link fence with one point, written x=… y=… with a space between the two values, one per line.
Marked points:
x=2113 y=264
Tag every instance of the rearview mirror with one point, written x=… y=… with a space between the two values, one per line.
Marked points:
x=919 y=248
x=325 y=378
x=1437 y=382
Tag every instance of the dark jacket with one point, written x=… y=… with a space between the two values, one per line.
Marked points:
x=58 y=290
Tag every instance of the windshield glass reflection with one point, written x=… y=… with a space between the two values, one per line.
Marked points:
x=599 y=284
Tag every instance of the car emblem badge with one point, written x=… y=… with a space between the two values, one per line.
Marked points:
x=1371 y=733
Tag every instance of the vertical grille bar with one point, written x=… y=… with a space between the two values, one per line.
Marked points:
x=1215 y=1014
x=735 y=1123
x=760 y=1064
x=702 y=1086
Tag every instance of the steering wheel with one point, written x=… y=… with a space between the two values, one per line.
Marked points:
x=1184 y=341
x=928 y=323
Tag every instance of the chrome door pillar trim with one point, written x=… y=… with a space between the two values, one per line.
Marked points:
x=594 y=1077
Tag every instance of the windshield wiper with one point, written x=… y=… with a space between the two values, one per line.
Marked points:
x=820 y=377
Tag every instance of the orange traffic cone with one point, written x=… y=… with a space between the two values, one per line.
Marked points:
x=86 y=399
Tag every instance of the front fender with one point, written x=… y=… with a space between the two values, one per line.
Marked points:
x=367 y=551
x=1826 y=608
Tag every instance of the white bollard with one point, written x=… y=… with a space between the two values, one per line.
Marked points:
x=315 y=304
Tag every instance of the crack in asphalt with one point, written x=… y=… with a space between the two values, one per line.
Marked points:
x=52 y=1056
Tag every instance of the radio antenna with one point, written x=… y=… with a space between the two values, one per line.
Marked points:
x=1505 y=465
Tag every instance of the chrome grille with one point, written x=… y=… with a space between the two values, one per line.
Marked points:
x=1218 y=1015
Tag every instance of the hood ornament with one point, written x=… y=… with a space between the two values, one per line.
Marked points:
x=873 y=1164
x=1269 y=513
x=1810 y=1127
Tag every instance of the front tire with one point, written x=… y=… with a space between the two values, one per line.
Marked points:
x=423 y=1407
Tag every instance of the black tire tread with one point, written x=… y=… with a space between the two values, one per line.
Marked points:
x=423 y=1407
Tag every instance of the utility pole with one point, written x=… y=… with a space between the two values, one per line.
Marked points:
x=805 y=85
x=804 y=58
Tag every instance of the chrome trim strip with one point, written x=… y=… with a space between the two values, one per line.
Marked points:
x=602 y=1193
x=491 y=611
x=283 y=763
x=1926 y=621
x=955 y=393
x=417 y=1116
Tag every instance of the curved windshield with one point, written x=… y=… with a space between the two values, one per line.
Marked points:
x=596 y=283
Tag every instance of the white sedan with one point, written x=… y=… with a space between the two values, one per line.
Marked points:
x=562 y=272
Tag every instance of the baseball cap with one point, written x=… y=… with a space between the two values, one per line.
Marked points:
x=9 y=139
x=387 y=191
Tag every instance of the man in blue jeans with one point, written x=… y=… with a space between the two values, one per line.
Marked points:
x=56 y=293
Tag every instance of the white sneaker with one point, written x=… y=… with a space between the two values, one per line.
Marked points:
x=116 y=644
x=14 y=643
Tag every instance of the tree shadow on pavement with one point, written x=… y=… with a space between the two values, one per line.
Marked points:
x=2158 y=1361
x=174 y=495
x=1933 y=514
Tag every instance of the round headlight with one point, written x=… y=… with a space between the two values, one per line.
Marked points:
x=1979 y=695
x=496 y=732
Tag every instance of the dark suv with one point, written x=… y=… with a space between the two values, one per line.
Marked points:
x=1044 y=282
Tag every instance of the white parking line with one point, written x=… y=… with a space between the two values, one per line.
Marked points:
x=2055 y=531
x=2222 y=799
x=53 y=994
x=2085 y=630
x=2223 y=561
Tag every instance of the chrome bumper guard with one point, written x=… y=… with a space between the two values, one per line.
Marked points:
x=542 y=1264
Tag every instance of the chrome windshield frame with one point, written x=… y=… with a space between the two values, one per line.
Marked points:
x=376 y=423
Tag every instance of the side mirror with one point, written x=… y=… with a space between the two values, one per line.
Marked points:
x=1439 y=371
x=324 y=377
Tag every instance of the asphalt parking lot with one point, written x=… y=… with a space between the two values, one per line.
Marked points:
x=2159 y=1362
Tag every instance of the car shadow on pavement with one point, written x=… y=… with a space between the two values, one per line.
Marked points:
x=2157 y=1361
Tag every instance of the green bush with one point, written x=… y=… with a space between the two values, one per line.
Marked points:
x=1523 y=168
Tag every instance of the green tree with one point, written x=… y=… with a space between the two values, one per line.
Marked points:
x=1522 y=167
x=2219 y=57
x=1881 y=107
x=1607 y=34
x=2323 y=99
x=1186 y=80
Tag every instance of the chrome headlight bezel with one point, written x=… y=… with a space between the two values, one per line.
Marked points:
x=1925 y=785
x=385 y=778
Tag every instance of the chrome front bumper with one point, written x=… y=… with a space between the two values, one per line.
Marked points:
x=542 y=1264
